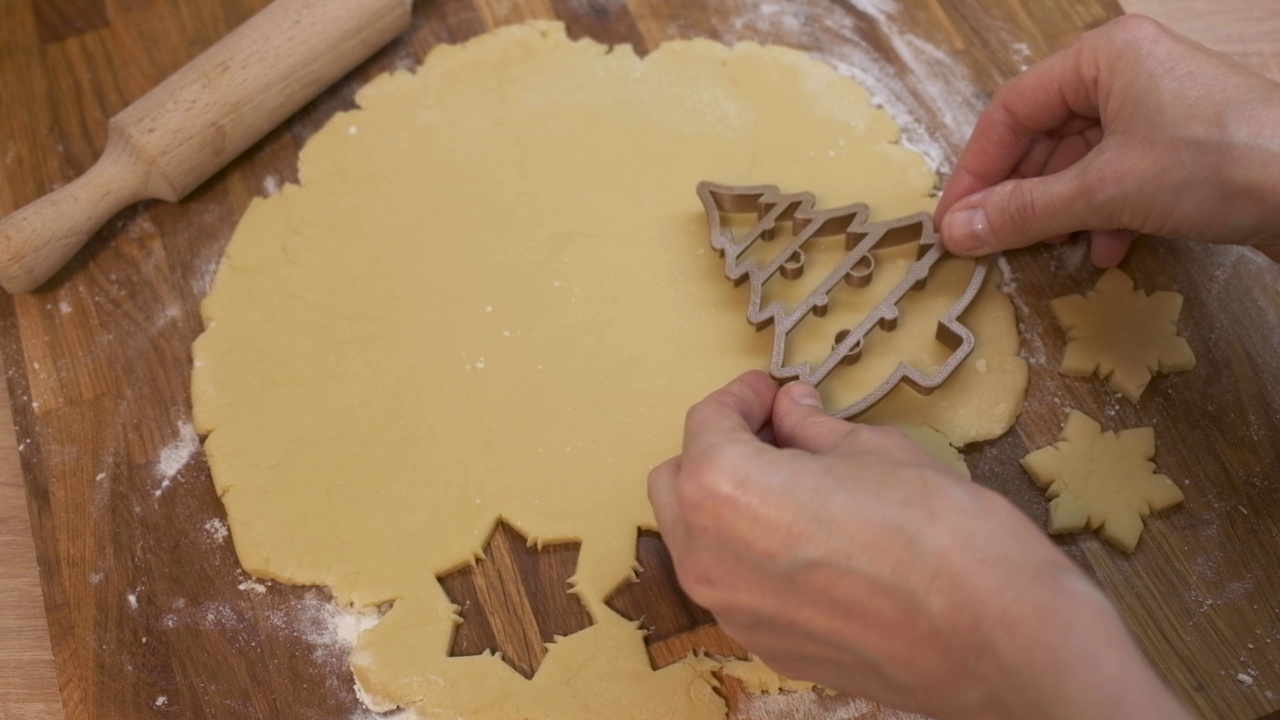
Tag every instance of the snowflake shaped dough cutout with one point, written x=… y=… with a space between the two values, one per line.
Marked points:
x=1122 y=334
x=1101 y=480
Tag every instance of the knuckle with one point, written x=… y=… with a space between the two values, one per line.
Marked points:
x=789 y=419
x=1020 y=208
x=1138 y=29
x=705 y=582
x=699 y=411
x=711 y=483
x=736 y=397
x=695 y=579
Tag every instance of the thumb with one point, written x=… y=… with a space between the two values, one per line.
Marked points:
x=1017 y=213
x=799 y=420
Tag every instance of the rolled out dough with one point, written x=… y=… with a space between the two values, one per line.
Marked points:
x=491 y=296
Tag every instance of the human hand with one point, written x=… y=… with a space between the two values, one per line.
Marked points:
x=1132 y=129
x=846 y=556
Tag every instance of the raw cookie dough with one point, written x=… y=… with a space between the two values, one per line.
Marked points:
x=491 y=296
x=937 y=445
x=1102 y=481
x=1122 y=334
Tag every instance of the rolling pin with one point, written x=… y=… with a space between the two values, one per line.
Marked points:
x=184 y=130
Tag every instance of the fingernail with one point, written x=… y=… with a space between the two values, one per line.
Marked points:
x=967 y=233
x=805 y=394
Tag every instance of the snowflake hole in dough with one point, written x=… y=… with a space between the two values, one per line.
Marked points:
x=486 y=593
x=672 y=622
x=1122 y=334
x=1102 y=481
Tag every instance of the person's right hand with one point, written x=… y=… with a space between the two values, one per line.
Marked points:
x=843 y=554
x=1132 y=129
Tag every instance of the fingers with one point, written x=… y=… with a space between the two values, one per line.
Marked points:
x=1017 y=213
x=1108 y=247
x=735 y=412
x=1049 y=95
x=799 y=420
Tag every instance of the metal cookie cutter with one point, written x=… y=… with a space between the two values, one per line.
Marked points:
x=772 y=207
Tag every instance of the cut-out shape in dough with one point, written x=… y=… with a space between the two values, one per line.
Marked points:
x=1101 y=480
x=490 y=599
x=674 y=624
x=1122 y=334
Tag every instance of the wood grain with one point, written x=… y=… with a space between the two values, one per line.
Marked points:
x=1248 y=30
x=62 y=19
x=28 y=683
x=147 y=608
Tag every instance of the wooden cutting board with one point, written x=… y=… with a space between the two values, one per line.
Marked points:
x=148 y=610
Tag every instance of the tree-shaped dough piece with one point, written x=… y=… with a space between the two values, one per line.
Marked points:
x=1122 y=334
x=1102 y=481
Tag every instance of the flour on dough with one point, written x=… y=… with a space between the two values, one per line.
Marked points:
x=495 y=300
x=1102 y=481
x=1122 y=334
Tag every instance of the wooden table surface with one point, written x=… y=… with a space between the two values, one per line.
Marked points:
x=146 y=608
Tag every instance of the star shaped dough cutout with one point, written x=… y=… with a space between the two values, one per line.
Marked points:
x=1102 y=481
x=1122 y=334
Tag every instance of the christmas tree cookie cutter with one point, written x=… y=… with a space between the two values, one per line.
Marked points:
x=773 y=207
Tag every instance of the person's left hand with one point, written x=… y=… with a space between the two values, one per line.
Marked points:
x=846 y=556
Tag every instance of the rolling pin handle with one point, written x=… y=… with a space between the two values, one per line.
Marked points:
x=37 y=240
x=179 y=134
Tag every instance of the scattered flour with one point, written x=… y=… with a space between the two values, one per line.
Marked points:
x=161 y=701
x=132 y=599
x=217 y=529
x=270 y=185
x=1021 y=55
x=811 y=706
x=375 y=708
x=1244 y=679
x=397 y=715
x=252 y=586
x=101 y=492
x=1008 y=281
x=331 y=627
x=1033 y=347
x=204 y=280
x=176 y=456
x=64 y=307
x=1070 y=256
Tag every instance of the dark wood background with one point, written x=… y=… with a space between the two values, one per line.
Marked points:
x=142 y=593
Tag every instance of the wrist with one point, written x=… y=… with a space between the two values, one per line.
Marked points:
x=1071 y=657
x=1252 y=169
